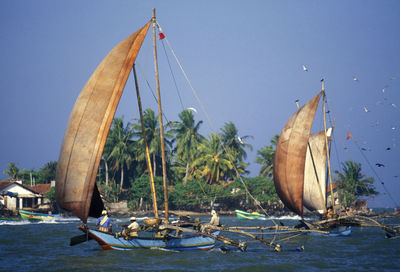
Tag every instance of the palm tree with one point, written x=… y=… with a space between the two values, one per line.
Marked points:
x=188 y=138
x=152 y=130
x=12 y=171
x=266 y=157
x=352 y=183
x=122 y=149
x=212 y=161
x=234 y=143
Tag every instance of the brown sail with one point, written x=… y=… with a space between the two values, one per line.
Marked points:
x=88 y=127
x=290 y=156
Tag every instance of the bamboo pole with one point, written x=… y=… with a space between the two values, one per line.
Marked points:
x=164 y=167
x=153 y=189
x=327 y=150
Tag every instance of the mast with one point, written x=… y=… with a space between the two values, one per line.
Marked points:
x=153 y=188
x=164 y=168
x=327 y=149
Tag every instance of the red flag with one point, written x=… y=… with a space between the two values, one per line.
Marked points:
x=161 y=36
x=348 y=135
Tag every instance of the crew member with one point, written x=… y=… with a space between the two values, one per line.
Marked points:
x=214 y=219
x=132 y=229
x=104 y=222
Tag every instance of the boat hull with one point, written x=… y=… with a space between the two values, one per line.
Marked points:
x=36 y=216
x=345 y=232
x=245 y=215
x=189 y=242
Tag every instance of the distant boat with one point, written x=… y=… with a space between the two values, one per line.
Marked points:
x=245 y=215
x=26 y=215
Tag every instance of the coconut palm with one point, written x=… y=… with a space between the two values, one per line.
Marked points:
x=212 y=162
x=235 y=146
x=153 y=139
x=122 y=147
x=12 y=171
x=265 y=157
x=188 y=138
x=352 y=183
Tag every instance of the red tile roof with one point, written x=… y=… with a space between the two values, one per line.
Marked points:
x=41 y=188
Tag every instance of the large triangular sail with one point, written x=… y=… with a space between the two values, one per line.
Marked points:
x=88 y=127
x=290 y=156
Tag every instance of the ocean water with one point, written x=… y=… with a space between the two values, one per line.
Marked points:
x=44 y=246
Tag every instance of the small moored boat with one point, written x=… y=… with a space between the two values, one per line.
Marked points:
x=245 y=215
x=36 y=216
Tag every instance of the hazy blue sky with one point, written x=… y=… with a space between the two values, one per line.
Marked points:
x=244 y=58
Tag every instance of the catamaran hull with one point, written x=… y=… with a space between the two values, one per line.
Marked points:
x=191 y=242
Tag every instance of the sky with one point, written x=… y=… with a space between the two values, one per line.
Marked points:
x=244 y=60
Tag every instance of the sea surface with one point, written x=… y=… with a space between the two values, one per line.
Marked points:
x=44 y=246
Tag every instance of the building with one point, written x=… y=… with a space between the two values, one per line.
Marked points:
x=15 y=196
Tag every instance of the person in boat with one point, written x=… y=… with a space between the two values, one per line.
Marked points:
x=104 y=222
x=132 y=229
x=214 y=219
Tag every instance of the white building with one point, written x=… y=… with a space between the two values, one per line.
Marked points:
x=15 y=196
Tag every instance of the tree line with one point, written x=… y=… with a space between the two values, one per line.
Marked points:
x=201 y=171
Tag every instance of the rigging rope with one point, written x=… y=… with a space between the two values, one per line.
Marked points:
x=211 y=124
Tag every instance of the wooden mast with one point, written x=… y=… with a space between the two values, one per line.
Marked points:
x=164 y=168
x=153 y=189
x=327 y=149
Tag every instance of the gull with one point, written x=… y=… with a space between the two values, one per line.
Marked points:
x=384 y=89
x=388 y=148
x=297 y=103
x=240 y=140
x=192 y=109
x=379 y=164
x=305 y=69
x=393 y=128
x=365 y=109
x=355 y=79
x=394 y=106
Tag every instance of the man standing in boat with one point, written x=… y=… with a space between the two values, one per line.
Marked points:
x=214 y=219
x=104 y=222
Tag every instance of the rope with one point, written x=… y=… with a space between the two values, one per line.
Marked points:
x=210 y=122
x=373 y=170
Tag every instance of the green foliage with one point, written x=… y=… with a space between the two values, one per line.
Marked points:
x=12 y=171
x=352 y=183
x=51 y=196
x=265 y=157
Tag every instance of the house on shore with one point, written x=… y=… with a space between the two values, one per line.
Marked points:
x=15 y=196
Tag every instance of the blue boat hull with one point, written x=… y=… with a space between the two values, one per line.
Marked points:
x=188 y=242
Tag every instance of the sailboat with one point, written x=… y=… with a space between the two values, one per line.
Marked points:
x=83 y=145
x=301 y=160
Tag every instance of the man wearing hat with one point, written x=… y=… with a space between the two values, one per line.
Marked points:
x=104 y=222
x=132 y=229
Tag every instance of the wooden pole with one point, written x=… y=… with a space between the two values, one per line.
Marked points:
x=153 y=188
x=164 y=167
x=327 y=151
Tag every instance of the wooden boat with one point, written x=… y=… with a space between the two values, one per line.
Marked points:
x=245 y=215
x=186 y=242
x=83 y=145
x=27 y=215
x=300 y=164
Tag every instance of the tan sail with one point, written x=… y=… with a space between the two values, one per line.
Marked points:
x=88 y=128
x=314 y=195
x=290 y=156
